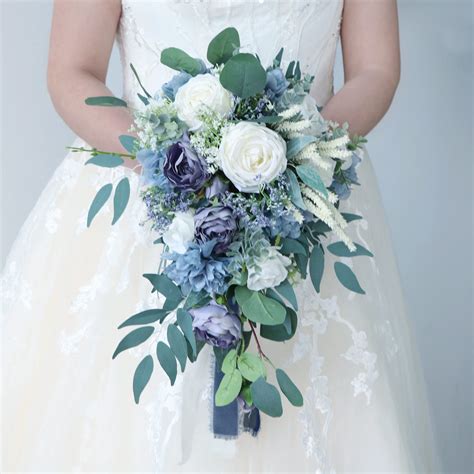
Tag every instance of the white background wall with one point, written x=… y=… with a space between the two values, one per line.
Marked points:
x=422 y=153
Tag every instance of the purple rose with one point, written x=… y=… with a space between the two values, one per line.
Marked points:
x=215 y=325
x=216 y=188
x=183 y=167
x=215 y=223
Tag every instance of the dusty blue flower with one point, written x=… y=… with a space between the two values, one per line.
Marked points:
x=152 y=166
x=346 y=178
x=276 y=83
x=198 y=270
x=217 y=326
x=216 y=188
x=215 y=223
x=183 y=167
x=171 y=87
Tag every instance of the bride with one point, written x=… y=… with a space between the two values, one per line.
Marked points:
x=66 y=405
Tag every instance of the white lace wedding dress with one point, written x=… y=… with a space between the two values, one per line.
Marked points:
x=68 y=407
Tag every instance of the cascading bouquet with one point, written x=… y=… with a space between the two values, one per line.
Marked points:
x=242 y=183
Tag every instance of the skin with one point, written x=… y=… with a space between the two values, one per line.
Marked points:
x=83 y=33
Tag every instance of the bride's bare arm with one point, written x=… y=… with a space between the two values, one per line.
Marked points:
x=371 y=55
x=82 y=37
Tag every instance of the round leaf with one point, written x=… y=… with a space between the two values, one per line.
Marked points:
x=229 y=388
x=177 y=59
x=251 y=366
x=266 y=397
x=243 y=75
x=167 y=360
x=289 y=388
x=142 y=376
x=222 y=47
x=259 y=308
x=229 y=363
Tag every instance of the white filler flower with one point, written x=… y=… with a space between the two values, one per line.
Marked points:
x=180 y=233
x=268 y=271
x=251 y=154
x=202 y=93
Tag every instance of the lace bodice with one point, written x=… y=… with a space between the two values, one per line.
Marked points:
x=307 y=29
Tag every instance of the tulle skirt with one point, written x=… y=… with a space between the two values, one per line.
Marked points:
x=68 y=407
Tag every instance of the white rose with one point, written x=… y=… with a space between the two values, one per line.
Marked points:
x=268 y=272
x=180 y=233
x=251 y=154
x=202 y=92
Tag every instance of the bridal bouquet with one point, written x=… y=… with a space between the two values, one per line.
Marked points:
x=242 y=179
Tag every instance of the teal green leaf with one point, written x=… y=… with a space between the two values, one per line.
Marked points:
x=348 y=217
x=286 y=290
x=266 y=397
x=222 y=47
x=311 y=178
x=196 y=300
x=319 y=227
x=289 y=388
x=105 y=161
x=106 y=101
x=229 y=388
x=247 y=395
x=163 y=285
x=121 y=197
x=142 y=376
x=177 y=59
x=298 y=144
x=177 y=344
x=278 y=58
x=281 y=332
x=98 y=202
x=243 y=75
x=137 y=77
x=302 y=264
x=316 y=267
x=251 y=366
x=259 y=308
x=167 y=361
x=148 y=316
x=340 y=250
x=347 y=278
x=290 y=246
x=128 y=142
x=229 y=364
x=295 y=190
x=136 y=337
x=290 y=70
x=185 y=322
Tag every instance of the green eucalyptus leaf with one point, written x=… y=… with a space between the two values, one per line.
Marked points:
x=229 y=388
x=295 y=190
x=106 y=101
x=291 y=246
x=243 y=75
x=105 y=161
x=286 y=290
x=185 y=322
x=177 y=59
x=316 y=266
x=128 y=142
x=148 y=316
x=142 y=376
x=177 y=344
x=289 y=388
x=281 y=332
x=311 y=178
x=167 y=361
x=222 y=47
x=340 y=250
x=251 y=366
x=259 y=308
x=121 y=197
x=347 y=278
x=266 y=397
x=229 y=364
x=136 y=337
x=98 y=202
x=302 y=264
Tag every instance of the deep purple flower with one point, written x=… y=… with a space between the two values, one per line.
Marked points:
x=217 y=326
x=216 y=188
x=183 y=167
x=215 y=223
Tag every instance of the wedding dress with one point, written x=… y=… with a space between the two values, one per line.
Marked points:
x=68 y=407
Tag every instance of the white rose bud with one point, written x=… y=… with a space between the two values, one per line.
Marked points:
x=268 y=271
x=180 y=233
x=202 y=92
x=251 y=154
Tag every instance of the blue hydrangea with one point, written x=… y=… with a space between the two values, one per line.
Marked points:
x=344 y=180
x=198 y=269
